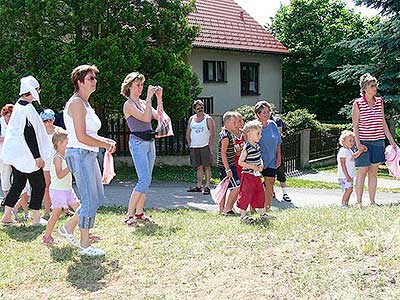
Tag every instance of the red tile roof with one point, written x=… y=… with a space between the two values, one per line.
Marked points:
x=226 y=25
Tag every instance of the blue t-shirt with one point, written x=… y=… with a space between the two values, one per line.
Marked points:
x=270 y=139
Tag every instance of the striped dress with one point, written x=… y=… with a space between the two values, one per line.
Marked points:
x=370 y=125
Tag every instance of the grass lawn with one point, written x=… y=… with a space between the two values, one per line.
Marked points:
x=326 y=253
x=383 y=171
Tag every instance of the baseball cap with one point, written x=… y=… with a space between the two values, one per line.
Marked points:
x=47 y=114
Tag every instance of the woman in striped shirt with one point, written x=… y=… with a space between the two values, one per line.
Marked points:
x=370 y=128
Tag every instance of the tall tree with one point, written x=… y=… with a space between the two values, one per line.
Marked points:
x=382 y=55
x=311 y=29
x=49 y=38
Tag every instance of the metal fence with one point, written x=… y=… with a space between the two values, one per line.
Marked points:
x=291 y=153
x=323 y=144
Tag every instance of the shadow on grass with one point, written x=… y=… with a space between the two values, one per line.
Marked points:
x=88 y=273
x=64 y=253
x=156 y=230
x=24 y=233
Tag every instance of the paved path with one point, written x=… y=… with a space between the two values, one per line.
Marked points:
x=173 y=195
x=331 y=177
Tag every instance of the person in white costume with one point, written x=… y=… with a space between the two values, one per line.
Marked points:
x=26 y=147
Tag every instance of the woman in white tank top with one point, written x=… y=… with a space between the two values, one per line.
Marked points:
x=82 y=125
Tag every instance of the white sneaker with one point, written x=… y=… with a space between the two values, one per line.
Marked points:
x=68 y=236
x=91 y=251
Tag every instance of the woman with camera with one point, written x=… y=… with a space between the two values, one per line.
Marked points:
x=139 y=114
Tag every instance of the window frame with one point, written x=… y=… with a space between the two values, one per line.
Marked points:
x=247 y=91
x=216 y=67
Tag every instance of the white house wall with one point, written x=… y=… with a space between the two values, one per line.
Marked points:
x=227 y=95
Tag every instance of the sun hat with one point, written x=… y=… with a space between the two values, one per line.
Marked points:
x=29 y=84
x=47 y=114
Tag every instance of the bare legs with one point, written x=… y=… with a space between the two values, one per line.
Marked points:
x=269 y=190
x=372 y=171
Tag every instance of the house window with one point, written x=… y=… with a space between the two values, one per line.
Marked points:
x=249 y=78
x=214 y=71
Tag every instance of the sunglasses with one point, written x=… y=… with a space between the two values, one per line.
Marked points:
x=372 y=85
x=92 y=78
x=199 y=107
x=38 y=90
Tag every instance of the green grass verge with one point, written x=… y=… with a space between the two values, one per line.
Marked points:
x=326 y=253
x=383 y=171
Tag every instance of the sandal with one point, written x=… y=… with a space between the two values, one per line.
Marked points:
x=145 y=219
x=230 y=213
x=10 y=223
x=91 y=251
x=286 y=198
x=194 y=189
x=247 y=220
x=130 y=221
x=265 y=217
x=68 y=236
x=206 y=191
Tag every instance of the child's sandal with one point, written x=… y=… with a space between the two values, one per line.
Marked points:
x=130 y=221
x=247 y=220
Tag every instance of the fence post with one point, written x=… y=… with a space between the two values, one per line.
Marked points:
x=218 y=125
x=304 y=148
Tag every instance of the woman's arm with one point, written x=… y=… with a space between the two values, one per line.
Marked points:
x=61 y=173
x=355 y=116
x=387 y=130
x=77 y=112
x=130 y=108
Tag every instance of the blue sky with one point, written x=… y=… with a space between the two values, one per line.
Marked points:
x=262 y=10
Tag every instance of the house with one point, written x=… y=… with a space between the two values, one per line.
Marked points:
x=236 y=59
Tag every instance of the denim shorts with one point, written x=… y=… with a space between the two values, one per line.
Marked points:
x=143 y=155
x=235 y=180
x=84 y=167
x=374 y=155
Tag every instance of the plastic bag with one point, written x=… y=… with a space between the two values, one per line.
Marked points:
x=392 y=157
x=164 y=127
x=108 y=168
x=218 y=193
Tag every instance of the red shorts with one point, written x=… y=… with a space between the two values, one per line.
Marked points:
x=251 y=192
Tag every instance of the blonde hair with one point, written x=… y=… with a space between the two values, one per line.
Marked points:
x=344 y=135
x=229 y=115
x=127 y=83
x=250 y=126
x=365 y=81
x=58 y=137
x=79 y=73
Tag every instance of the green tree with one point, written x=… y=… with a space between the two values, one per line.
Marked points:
x=49 y=38
x=382 y=56
x=310 y=29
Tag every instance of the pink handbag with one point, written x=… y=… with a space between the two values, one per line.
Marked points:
x=108 y=168
x=219 y=192
x=392 y=157
x=164 y=127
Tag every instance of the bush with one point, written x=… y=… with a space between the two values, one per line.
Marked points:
x=298 y=120
x=247 y=112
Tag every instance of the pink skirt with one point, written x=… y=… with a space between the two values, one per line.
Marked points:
x=62 y=198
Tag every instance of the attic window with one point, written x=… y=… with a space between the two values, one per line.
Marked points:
x=214 y=71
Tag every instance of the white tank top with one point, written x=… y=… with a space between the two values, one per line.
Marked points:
x=93 y=125
x=199 y=133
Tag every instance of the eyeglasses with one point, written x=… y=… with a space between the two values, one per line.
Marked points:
x=372 y=85
x=92 y=78
x=199 y=107
x=38 y=89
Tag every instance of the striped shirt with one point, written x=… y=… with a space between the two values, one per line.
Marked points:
x=253 y=156
x=230 y=151
x=370 y=125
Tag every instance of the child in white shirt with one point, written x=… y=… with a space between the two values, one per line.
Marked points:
x=346 y=165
